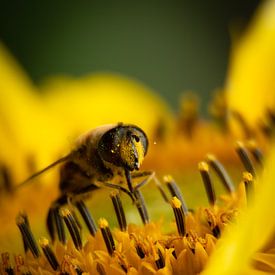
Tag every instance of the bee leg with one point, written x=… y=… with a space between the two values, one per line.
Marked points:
x=54 y=220
x=129 y=180
x=120 y=188
x=150 y=176
x=92 y=187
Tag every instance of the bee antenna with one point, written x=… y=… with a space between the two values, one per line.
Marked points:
x=42 y=171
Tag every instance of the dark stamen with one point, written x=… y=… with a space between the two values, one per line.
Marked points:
x=160 y=262
x=271 y=116
x=221 y=172
x=49 y=254
x=140 y=251
x=256 y=152
x=25 y=217
x=100 y=269
x=6 y=178
x=245 y=127
x=120 y=214
x=6 y=264
x=107 y=235
x=27 y=235
x=248 y=183
x=78 y=270
x=204 y=170
x=72 y=227
x=244 y=156
x=141 y=206
x=179 y=215
x=216 y=231
x=175 y=191
x=87 y=217
x=59 y=225
x=266 y=129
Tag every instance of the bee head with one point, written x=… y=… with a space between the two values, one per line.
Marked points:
x=124 y=146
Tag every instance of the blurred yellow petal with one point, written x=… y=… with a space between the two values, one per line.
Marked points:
x=27 y=131
x=252 y=231
x=102 y=98
x=250 y=82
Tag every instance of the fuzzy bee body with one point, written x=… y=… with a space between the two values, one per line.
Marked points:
x=85 y=166
x=104 y=156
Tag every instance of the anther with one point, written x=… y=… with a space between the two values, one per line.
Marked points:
x=175 y=191
x=160 y=262
x=27 y=235
x=78 y=270
x=141 y=206
x=256 y=152
x=107 y=235
x=6 y=263
x=244 y=156
x=6 y=178
x=100 y=269
x=120 y=214
x=221 y=172
x=240 y=119
x=248 y=182
x=72 y=227
x=49 y=254
x=204 y=170
x=216 y=231
x=87 y=217
x=59 y=225
x=179 y=215
x=26 y=220
x=140 y=251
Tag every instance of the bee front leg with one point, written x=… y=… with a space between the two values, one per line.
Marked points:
x=91 y=187
x=151 y=175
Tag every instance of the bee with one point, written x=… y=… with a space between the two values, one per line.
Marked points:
x=108 y=156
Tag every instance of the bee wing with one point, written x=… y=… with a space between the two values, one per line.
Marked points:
x=43 y=170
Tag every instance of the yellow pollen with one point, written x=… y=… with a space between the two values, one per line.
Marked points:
x=103 y=223
x=203 y=166
x=239 y=144
x=175 y=202
x=140 y=152
x=252 y=144
x=43 y=242
x=64 y=212
x=211 y=157
x=247 y=176
x=168 y=178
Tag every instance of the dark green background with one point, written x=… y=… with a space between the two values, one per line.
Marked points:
x=171 y=46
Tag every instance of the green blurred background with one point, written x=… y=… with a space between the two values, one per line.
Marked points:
x=171 y=46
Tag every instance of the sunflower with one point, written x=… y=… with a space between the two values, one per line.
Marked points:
x=225 y=230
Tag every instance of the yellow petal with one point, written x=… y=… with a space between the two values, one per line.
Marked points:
x=27 y=130
x=250 y=82
x=104 y=98
x=254 y=228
